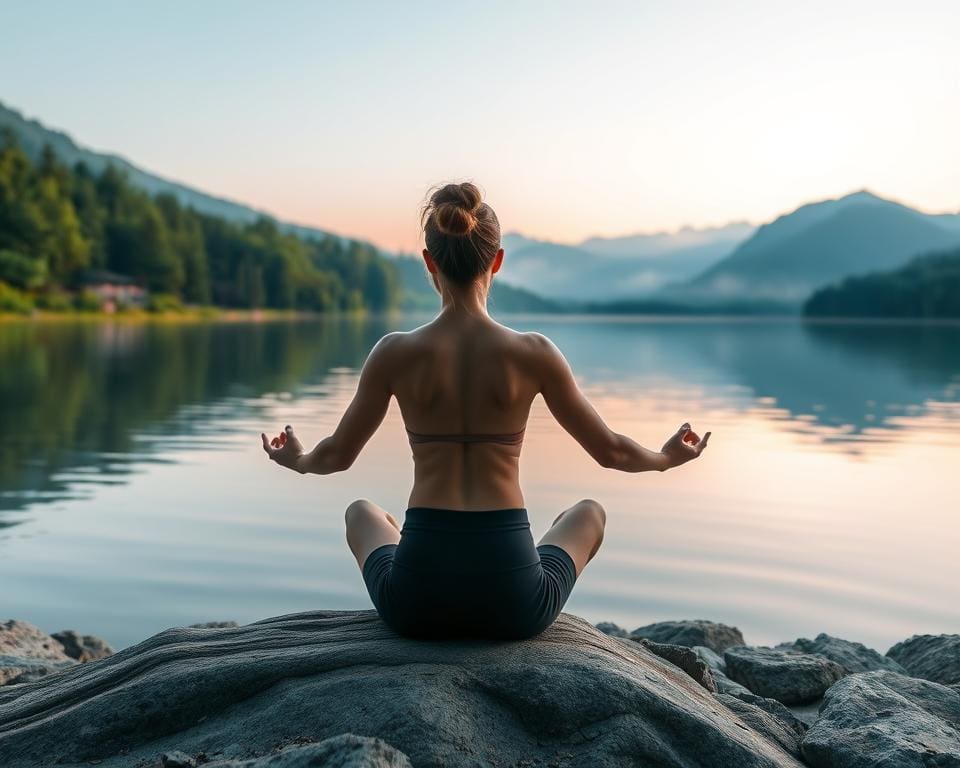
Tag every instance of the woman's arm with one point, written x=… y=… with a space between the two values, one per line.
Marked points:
x=577 y=416
x=361 y=419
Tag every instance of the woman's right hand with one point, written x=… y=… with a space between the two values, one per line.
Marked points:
x=285 y=449
x=683 y=446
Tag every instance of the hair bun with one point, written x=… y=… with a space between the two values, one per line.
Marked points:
x=454 y=208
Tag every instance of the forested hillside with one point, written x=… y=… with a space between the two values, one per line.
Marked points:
x=59 y=223
x=34 y=138
x=927 y=287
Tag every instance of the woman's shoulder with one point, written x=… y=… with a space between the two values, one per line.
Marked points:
x=530 y=347
x=532 y=342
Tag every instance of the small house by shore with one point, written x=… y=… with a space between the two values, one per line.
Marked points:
x=113 y=290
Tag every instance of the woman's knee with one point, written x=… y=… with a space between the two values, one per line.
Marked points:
x=359 y=510
x=594 y=511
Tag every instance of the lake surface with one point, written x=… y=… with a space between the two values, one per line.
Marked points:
x=134 y=494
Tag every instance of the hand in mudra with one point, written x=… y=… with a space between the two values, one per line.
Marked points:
x=285 y=448
x=684 y=445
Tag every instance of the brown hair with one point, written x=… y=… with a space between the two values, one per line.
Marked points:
x=461 y=231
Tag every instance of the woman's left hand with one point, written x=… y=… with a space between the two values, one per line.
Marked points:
x=684 y=445
x=285 y=449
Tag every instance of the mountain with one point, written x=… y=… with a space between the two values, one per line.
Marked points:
x=818 y=244
x=32 y=136
x=616 y=268
x=715 y=240
x=927 y=287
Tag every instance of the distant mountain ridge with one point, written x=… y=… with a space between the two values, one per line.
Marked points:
x=616 y=268
x=32 y=136
x=818 y=244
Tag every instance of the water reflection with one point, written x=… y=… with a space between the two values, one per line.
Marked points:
x=81 y=405
x=133 y=494
x=846 y=384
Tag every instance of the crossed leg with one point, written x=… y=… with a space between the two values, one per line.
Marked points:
x=369 y=526
x=578 y=531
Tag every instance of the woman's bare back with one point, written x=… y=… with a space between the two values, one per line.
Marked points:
x=462 y=384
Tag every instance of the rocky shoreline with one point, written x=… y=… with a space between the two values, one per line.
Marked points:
x=339 y=689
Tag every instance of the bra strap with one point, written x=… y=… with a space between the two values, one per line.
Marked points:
x=511 y=438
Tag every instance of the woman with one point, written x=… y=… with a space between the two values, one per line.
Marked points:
x=464 y=563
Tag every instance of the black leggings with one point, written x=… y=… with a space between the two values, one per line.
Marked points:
x=468 y=574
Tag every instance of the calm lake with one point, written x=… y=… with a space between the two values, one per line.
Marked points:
x=134 y=494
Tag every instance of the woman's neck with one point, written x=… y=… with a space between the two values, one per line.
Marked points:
x=466 y=299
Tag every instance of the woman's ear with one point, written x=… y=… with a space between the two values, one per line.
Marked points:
x=497 y=261
x=428 y=260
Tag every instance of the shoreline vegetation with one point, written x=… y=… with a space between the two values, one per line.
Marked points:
x=187 y=314
x=75 y=240
x=78 y=243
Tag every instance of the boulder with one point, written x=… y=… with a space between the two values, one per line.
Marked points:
x=686 y=659
x=27 y=653
x=609 y=628
x=711 y=658
x=345 y=751
x=932 y=657
x=82 y=647
x=572 y=696
x=769 y=717
x=725 y=685
x=717 y=637
x=718 y=671
x=853 y=657
x=788 y=677
x=18 y=638
x=879 y=719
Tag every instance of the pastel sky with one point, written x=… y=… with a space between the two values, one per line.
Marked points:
x=577 y=118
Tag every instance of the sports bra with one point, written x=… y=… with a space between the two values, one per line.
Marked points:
x=511 y=438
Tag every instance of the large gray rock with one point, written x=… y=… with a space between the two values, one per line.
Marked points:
x=82 y=647
x=788 y=677
x=880 y=719
x=932 y=657
x=769 y=717
x=853 y=657
x=717 y=637
x=686 y=659
x=346 y=751
x=571 y=696
x=27 y=653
